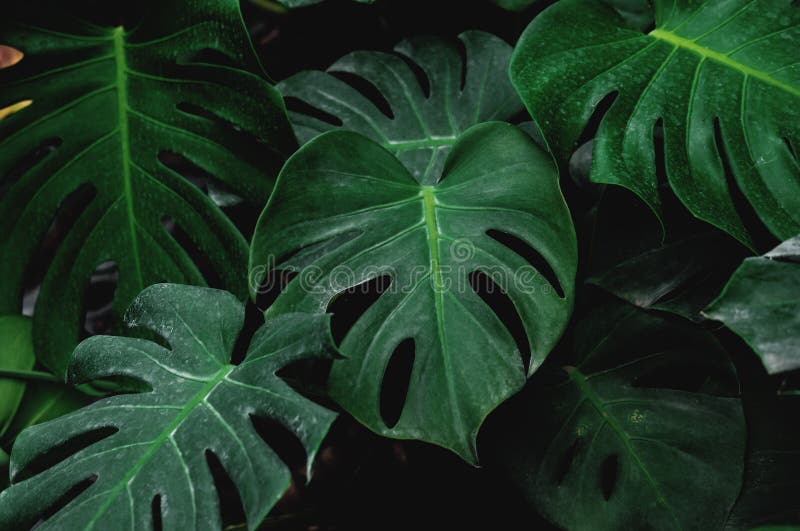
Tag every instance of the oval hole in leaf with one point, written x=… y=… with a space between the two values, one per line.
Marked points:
x=367 y=89
x=63 y=451
x=282 y=441
x=98 y=300
x=500 y=303
x=462 y=52
x=155 y=510
x=67 y=214
x=792 y=150
x=231 y=510
x=351 y=304
x=593 y=124
x=530 y=255
x=301 y=107
x=609 y=470
x=396 y=380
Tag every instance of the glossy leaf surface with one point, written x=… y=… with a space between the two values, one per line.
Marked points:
x=721 y=77
x=16 y=354
x=345 y=211
x=152 y=444
x=89 y=155
x=425 y=119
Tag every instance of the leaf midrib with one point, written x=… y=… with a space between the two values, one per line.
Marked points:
x=166 y=434
x=121 y=83
x=724 y=59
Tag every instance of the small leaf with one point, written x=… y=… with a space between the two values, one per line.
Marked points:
x=16 y=353
x=153 y=444
x=345 y=211
x=426 y=119
x=761 y=303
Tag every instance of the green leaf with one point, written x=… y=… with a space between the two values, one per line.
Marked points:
x=681 y=277
x=646 y=431
x=761 y=303
x=16 y=354
x=350 y=212
x=108 y=104
x=722 y=78
x=198 y=403
x=303 y=3
x=771 y=483
x=424 y=124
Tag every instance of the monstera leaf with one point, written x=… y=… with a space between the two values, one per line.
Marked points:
x=153 y=445
x=16 y=354
x=423 y=120
x=109 y=104
x=761 y=303
x=723 y=80
x=345 y=211
x=649 y=403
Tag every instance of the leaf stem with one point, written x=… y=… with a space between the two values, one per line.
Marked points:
x=29 y=375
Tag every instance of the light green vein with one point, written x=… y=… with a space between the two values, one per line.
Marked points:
x=125 y=144
x=724 y=59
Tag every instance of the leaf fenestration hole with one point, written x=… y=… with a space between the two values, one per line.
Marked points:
x=63 y=451
x=349 y=305
x=419 y=73
x=593 y=123
x=98 y=301
x=501 y=304
x=155 y=510
x=531 y=255
x=27 y=162
x=396 y=381
x=69 y=210
x=792 y=150
x=193 y=251
x=462 y=53
x=231 y=509
x=609 y=470
x=741 y=204
x=367 y=89
x=282 y=441
x=302 y=107
x=66 y=498
x=565 y=461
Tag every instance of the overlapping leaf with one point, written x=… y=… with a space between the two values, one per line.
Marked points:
x=108 y=104
x=723 y=79
x=425 y=120
x=16 y=354
x=345 y=211
x=153 y=445
x=761 y=303
x=645 y=432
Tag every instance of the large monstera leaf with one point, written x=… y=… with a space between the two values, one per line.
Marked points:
x=761 y=303
x=650 y=403
x=425 y=121
x=107 y=105
x=154 y=444
x=721 y=77
x=16 y=354
x=345 y=211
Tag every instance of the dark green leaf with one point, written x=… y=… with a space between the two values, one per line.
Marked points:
x=771 y=483
x=761 y=303
x=198 y=403
x=645 y=432
x=424 y=126
x=16 y=353
x=722 y=78
x=351 y=212
x=108 y=105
